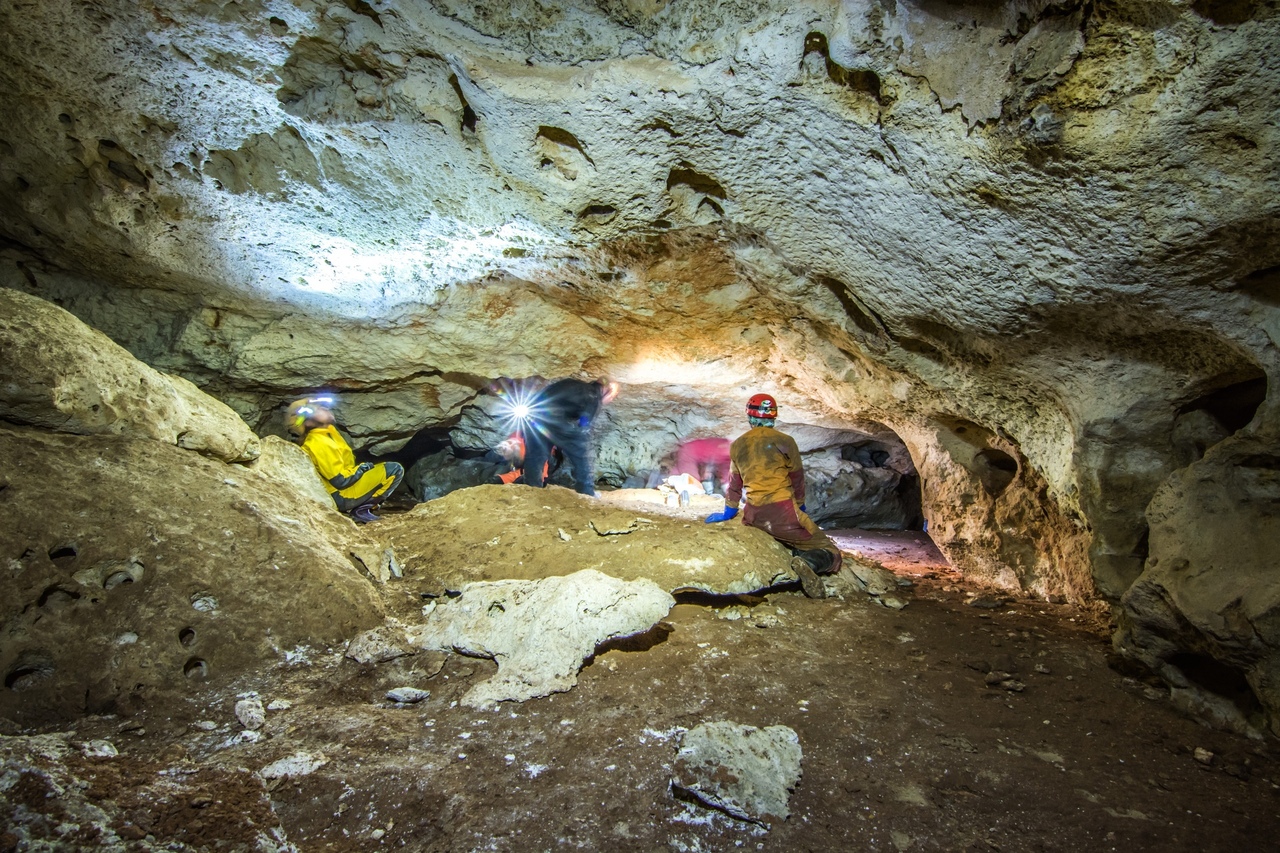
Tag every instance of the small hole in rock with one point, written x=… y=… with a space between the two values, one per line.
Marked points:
x=29 y=671
x=996 y=470
x=56 y=598
x=62 y=554
x=115 y=579
x=196 y=669
x=187 y=636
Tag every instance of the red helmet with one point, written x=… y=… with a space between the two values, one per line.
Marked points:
x=762 y=406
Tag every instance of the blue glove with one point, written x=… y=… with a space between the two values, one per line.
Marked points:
x=724 y=515
x=584 y=421
x=802 y=509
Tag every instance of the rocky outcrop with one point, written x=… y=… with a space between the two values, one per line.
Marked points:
x=139 y=573
x=539 y=632
x=60 y=374
x=491 y=533
x=1205 y=613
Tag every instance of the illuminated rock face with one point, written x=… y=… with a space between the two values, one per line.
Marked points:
x=1037 y=242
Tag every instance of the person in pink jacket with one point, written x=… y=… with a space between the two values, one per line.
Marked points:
x=707 y=459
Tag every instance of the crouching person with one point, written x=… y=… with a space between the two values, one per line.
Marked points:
x=356 y=489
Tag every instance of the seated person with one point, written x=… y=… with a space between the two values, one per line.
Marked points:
x=766 y=464
x=356 y=489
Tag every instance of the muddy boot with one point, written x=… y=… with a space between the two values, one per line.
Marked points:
x=364 y=514
x=809 y=580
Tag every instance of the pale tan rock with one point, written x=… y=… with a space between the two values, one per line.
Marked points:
x=744 y=771
x=62 y=375
x=490 y=533
x=1202 y=612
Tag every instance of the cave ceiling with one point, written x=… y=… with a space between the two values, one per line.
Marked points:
x=1052 y=224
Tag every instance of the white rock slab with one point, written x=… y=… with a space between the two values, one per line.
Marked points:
x=251 y=714
x=539 y=632
x=298 y=764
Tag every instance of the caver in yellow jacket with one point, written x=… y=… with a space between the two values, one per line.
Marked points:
x=767 y=463
x=351 y=485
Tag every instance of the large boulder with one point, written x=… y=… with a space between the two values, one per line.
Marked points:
x=62 y=375
x=137 y=573
x=1205 y=613
x=490 y=533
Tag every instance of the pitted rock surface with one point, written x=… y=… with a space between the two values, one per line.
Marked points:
x=207 y=569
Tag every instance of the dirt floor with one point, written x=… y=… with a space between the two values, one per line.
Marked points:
x=963 y=722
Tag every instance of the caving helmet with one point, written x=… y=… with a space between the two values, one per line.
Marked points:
x=762 y=407
x=296 y=415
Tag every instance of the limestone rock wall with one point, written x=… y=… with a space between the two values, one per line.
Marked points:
x=62 y=375
x=1051 y=225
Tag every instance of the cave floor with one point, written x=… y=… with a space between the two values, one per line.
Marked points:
x=906 y=746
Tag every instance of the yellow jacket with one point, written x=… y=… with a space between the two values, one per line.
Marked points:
x=332 y=457
x=767 y=462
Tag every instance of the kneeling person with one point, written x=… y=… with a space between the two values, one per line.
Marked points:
x=767 y=462
x=356 y=489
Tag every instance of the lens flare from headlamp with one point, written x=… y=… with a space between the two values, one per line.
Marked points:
x=518 y=409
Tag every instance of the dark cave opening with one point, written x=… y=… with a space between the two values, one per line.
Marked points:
x=1220 y=679
x=1233 y=405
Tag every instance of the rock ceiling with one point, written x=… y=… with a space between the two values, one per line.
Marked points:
x=1018 y=234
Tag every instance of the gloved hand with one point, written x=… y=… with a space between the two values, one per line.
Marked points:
x=802 y=509
x=363 y=468
x=723 y=515
x=583 y=421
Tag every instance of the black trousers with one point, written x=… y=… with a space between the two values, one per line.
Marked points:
x=574 y=442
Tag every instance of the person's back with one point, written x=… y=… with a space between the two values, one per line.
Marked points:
x=765 y=462
x=768 y=461
x=570 y=400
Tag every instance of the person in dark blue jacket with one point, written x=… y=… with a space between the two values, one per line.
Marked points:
x=561 y=416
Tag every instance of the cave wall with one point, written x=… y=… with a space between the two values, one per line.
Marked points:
x=1052 y=225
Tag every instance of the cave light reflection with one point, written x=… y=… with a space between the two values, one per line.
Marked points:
x=339 y=272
